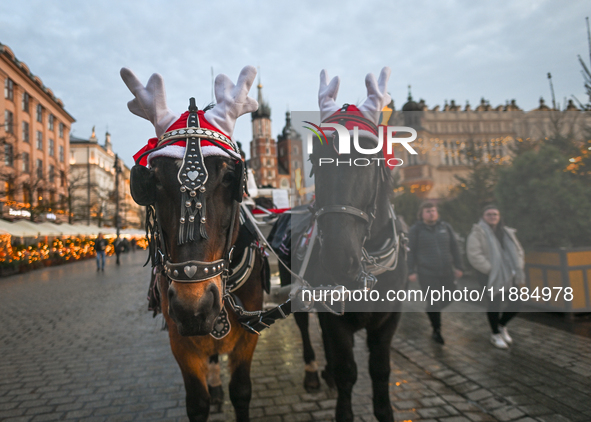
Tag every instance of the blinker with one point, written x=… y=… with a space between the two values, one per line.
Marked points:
x=240 y=181
x=142 y=185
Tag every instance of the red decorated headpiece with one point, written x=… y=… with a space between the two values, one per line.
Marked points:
x=366 y=117
x=215 y=126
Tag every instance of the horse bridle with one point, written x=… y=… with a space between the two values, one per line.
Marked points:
x=342 y=118
x=192 y=176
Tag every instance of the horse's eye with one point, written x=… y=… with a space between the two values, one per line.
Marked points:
x=228 y=178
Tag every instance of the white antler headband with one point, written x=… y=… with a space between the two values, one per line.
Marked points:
x=377 y=95
x=150 y=100
x=232 y=100
x=327 y=94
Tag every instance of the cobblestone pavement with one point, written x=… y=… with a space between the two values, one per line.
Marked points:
x=78 y=345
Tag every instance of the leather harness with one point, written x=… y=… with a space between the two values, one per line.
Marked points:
x=192 y=176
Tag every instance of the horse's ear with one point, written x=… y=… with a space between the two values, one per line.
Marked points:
x=240 y=181
x=143 y=185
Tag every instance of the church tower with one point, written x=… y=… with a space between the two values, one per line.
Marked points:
x=263 y=150
x=290 y=159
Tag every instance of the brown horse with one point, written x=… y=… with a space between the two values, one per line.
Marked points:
x=192 y=186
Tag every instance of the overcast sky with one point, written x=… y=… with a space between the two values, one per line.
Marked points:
x=446 y=50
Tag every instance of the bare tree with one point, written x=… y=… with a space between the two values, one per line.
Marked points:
x=100 y=208
x=77 y=180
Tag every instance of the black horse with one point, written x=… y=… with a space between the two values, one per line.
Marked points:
x=354 y=221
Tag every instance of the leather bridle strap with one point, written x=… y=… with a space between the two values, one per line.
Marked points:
x=228 y=252
x=256 y=321
x=199 y=271
x=343 y=209
x=194 y=271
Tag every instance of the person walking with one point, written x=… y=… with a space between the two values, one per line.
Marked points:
x=100 y=244
x=118 y=246
x=496 y=254
x=434 y=260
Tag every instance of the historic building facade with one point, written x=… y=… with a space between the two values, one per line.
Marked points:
x=451 y=138
x=93 y=189
x=34 y=137
x=276 y=164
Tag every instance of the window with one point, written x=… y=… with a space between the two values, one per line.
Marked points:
x=494 y=151
x=295 y=149
x=39 y=141
x=50 y=121
x=26 y=101
x=25 y=132
x=62 y=178
x=39 y=168
x=51 y=148
x=39 y=196
x=8 y=121
x=453 y=153
x=61 y=153
x=26 y=195
x=61 y=130
x=25 y=162
x=9 y=89
x=8 y=158
x=39 y=113
x=51 y=173
x=51 y=197
x=9 y=189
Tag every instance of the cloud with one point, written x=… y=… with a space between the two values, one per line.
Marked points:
x=450 y=49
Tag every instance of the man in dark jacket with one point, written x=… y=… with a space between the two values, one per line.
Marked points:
x=100 y=244
x=434 y=260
